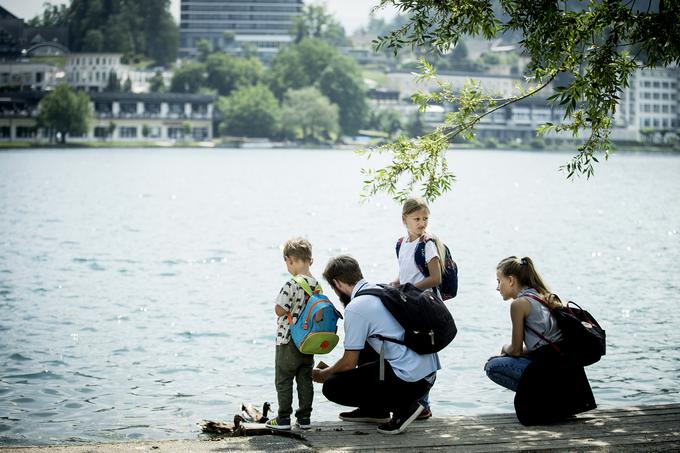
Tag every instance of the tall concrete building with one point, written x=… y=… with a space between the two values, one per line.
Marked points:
x=236 y=25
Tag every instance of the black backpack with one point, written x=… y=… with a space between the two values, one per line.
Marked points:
x=427 y=321
x=584 y=341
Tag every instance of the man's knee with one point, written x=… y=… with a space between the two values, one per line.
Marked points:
x=330 y=388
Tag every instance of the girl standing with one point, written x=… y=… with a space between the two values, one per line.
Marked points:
x=415 y=216
x=420 y=258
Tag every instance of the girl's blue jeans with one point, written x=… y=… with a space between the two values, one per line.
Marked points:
x=506 y=370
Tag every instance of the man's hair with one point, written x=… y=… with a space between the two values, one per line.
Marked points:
x=343 y=268
x=298 y=249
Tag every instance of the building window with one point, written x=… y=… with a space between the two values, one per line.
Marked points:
x=154 y=132
x=101 y=132
x=4 y=132
x=152 y=108
x=25 y=132
x=200 y=133
x=175 y=132
x=128 y=132
x=128 y=108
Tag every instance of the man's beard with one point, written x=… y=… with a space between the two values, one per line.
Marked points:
x=344 y=299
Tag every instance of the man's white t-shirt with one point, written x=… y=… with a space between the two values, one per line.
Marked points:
x=408 y=271
x=366 y=316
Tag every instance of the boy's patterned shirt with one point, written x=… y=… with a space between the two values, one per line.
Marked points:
x=292 y=299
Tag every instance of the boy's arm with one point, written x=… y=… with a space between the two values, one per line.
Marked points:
x=283 y=302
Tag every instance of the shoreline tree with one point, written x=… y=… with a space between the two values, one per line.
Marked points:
x=65 y=111
x=591 y=47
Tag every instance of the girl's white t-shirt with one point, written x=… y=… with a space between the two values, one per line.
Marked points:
x=408 y=271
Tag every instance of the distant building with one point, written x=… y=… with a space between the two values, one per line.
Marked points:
x=118 y=116
x=91 y=72
x=649 y=108
x=18 y=39
x=233 y=25
x=29 y=76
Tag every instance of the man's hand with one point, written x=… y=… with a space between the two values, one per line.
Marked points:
x=318 y=375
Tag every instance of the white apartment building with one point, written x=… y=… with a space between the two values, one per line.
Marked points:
x=28 y=76
x=117 y=116
x=263 y=24
x=91 y=72
x=650 y=107
x=407 y=85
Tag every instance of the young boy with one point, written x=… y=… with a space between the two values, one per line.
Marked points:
x=290 y=363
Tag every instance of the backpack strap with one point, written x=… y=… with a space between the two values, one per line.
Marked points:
x=302 y=282
x=421 y=262
x=545 y=304
x=398 y=246
x=377 y=292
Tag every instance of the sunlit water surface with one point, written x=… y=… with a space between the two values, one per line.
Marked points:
x=137 y=286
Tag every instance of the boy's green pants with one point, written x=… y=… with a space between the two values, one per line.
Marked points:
x=292 y=364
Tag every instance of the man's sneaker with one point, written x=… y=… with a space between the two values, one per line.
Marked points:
x=282 y=424
x=357 y=415
x=398 y=423
x=425 y=414
x=303 y=423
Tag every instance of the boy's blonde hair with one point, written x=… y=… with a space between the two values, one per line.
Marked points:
x=298 y=249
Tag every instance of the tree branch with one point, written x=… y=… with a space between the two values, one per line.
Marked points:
x=471 y=123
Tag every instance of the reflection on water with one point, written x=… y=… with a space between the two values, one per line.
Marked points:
x=137 y=286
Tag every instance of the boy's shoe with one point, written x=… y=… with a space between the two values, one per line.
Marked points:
x=398 y=423
x=282 y=424
x=303 y=423
x=357 y=415
x=425 y=414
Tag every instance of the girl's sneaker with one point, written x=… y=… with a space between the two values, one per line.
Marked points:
x=303 y=423
x=282 y=424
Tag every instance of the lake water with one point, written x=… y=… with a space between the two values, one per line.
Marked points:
x=137 y=286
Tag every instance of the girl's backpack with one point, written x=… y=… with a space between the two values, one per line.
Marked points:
x=314 y=332
x=584 y=341
x=448 y=288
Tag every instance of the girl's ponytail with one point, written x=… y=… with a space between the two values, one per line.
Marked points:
x=525 y=272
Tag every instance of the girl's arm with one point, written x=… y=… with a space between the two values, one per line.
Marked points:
x=435 y=277
x=519 y=310
x=280 y=311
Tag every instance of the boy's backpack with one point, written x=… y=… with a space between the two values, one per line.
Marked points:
x=314 y=332
x=448 y=288
x=583 y=340
x=428 y=324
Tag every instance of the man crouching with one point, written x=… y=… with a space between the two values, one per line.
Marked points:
x=359 y=378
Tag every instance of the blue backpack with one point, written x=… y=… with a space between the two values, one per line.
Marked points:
x=315 y=331
x=448 y=288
